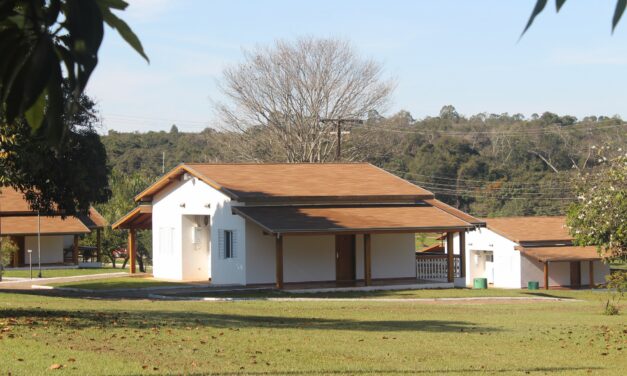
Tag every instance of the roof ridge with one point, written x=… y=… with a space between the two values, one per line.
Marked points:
x=275 y=163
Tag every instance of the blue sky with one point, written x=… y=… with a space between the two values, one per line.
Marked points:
x=464 y=52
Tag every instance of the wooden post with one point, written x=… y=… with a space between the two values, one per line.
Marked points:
x=98 y=245
x=132 y=245
x=367 y=260
x=546 y=275
x=591 y=273
x=449 y=253
x=462 y=254
x=75 y=250
x=279 y=261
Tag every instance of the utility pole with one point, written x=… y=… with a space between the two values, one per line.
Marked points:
x=339 y=122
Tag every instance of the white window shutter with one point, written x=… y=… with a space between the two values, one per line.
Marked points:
x=234 y=244
x=221 y=243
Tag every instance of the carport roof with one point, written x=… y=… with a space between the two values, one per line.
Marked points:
x=563 y=253
x=420 y=217
x=138 y=218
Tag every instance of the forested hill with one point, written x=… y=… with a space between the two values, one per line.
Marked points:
x=487 y=164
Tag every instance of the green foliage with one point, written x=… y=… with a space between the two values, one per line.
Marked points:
x=65 y=178
x=616 y=285
x=599 y=217
x=541 y=4
x=45 y=42
x=8 y=248
x=487 y=164
x=124 y=188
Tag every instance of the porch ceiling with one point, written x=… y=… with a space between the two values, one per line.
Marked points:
x=139 y=218
x=420 y=217
x=563 y=253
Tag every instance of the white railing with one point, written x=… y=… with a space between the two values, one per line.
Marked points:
x=435 y=267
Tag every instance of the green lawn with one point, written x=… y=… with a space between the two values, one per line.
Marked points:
x=117 y=283
x=61 y=272
x=310 y=338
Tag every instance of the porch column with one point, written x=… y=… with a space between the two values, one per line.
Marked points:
x=279 y=261
x=449 y=253
x=462 y=254
x=98 y=245
x=132 y=248
x=546 y=275
x=367 y=260
x=591 y=273
x=75 y=250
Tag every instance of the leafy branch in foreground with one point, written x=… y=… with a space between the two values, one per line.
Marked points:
x=541 y=4
x=44 y=43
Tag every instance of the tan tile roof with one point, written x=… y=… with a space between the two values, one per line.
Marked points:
x=336 y=181
x=362 y=218
x=94 y=219
x=531 y=229
x=568 y=253
x=49 y=226
x=12 y=200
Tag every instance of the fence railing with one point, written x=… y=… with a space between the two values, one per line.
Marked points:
x=435 y=266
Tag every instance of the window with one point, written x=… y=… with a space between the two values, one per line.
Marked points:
x=228 y=244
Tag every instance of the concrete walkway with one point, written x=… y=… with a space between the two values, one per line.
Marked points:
x=27 y=283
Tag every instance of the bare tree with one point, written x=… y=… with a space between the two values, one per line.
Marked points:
x=280 y=94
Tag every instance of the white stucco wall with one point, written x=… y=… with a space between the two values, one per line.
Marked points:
x=51 y=249
x=507 y=260
x=559 y=272
x=312 y=258
x=195 y=198
x=393 y=256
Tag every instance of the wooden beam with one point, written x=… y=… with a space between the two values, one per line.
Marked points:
x=75 y=250
x=367 y=260
x=132 y=248
x=546 y=275
x=450 y=244
x=591 y=273
x=279 y=261
x=98 y=245
x=462 y=254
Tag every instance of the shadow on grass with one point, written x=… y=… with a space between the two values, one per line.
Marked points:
x=547 y=295
x=407 y=372
x=172 y=319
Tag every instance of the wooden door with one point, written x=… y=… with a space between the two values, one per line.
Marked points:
x=345 y=258
x=575 y=274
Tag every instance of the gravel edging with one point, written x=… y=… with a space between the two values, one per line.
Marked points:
x=385 y=300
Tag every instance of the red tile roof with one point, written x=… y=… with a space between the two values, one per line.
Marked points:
x=49 y=226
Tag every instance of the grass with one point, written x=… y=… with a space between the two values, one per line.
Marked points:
x=50 y=273
x=133 y=337
x=117 y=283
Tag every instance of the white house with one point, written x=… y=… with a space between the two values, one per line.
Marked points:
x=250 y=224
x=55 y=238
x=512 y=251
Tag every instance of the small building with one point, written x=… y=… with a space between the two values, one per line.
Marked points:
x=511 y=251
x=58 y=237
x=252 y=224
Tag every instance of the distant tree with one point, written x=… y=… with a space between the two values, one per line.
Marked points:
x=599 y=217
x=7 y=251
x=124 y=188
x=449 y=112
x=288 y=96
x=174 y=129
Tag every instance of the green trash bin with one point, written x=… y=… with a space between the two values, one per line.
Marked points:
x=533 y=285
x=480 y=283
